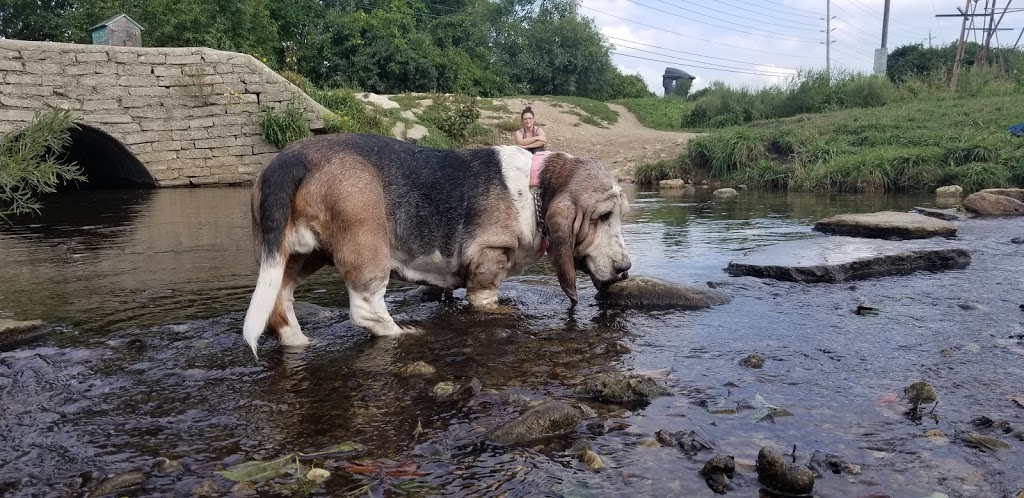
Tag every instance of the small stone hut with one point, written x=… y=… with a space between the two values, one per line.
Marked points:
x=119 y=30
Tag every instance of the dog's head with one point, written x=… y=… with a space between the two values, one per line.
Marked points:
x=584 y=207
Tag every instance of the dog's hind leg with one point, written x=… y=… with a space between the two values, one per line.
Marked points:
x=366 y=272
x=282 y=320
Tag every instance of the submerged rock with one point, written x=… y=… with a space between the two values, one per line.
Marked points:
x=621 y=389
x=920 y=393
x=15 y=333
x=672 y=183
x=754 y=360
x=419 y=368
x=989 y=204
x=840 y=259
x=725 y=192
x=549 y=419
x=651 y=293
x=886 y=224
x=775 y=474
x=119 y=483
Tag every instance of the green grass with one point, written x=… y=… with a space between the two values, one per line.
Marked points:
x=903 y=147
x=660 y=113
x=598 y=110
x=406 y=100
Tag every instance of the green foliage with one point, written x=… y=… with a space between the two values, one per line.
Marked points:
x=453 y=116
x=628 y=86
x=481 y=48
x=282 y=127
x=910 y=147
x=662 y=113
x=510 y=124
x=682 y=87
x=30 y=161
x=719 y=105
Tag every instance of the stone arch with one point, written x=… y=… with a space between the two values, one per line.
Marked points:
x=105 y=161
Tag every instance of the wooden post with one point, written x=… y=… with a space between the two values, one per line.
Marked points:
x=960 y=49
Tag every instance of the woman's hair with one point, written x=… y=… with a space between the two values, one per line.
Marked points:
x=528 y=110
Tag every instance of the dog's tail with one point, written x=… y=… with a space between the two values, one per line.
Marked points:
x=272 y=199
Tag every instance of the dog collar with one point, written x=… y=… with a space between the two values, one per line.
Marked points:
x=535 y=168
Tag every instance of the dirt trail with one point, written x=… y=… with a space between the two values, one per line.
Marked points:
x=622 y=147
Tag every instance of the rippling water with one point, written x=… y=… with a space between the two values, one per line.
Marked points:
x=148 y=290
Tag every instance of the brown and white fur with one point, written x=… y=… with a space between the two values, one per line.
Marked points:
x=377 y=208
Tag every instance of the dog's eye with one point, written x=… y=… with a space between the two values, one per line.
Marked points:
x=605 y=217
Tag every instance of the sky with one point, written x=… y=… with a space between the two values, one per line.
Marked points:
x=755 y=43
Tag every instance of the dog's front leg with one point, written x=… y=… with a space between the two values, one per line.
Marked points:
x=486 y=272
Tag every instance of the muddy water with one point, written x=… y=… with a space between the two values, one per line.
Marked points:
x=148 y=290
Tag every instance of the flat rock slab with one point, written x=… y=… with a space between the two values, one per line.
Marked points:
x=840 y=259
x=942 y=214
x=887 y=225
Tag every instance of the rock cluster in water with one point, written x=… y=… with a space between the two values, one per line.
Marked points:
x=621 y=389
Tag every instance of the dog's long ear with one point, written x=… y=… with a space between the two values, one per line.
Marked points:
x=562 y=220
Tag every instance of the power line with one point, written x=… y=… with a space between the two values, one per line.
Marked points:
x=855 y=36
x=724 y=67
x=697 y=38
x=780 y=36
x=691 y=53
x=811 y=27
x=750 y=5
x=784 y=6
x=873 y=14
x=713 y=69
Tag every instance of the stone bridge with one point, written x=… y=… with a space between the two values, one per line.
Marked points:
x=150 y=116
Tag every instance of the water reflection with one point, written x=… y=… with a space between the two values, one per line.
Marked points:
x=155 y=285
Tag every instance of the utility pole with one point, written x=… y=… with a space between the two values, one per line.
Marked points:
x=828 y=38
x=882 y=54
x=993 y=26
x=930 y=37
x=885 y=24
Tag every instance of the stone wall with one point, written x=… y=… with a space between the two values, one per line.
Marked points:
x=190 y=115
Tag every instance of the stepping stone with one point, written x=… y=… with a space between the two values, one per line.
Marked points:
x=887 y=225
x=942 y=214
x=841 y=259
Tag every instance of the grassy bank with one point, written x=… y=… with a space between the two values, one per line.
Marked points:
x=660 y=113
x=901 y=147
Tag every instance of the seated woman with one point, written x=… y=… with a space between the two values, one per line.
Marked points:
x=530 y=136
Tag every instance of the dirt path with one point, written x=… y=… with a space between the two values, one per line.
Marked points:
x=622 y=147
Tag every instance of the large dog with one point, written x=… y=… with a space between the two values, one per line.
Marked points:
x=376 y=207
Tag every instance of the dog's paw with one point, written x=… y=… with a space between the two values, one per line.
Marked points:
x=411 y=329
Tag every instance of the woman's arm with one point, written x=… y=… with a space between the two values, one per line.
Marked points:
x=534 y=141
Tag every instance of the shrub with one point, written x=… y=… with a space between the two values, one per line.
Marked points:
x=453 y=116
x=30 y=161
x=352 y=115
x=282 y=127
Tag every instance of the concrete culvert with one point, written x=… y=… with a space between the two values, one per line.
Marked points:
x=106 y=162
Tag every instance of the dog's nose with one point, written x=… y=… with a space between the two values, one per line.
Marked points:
x=623 y=267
